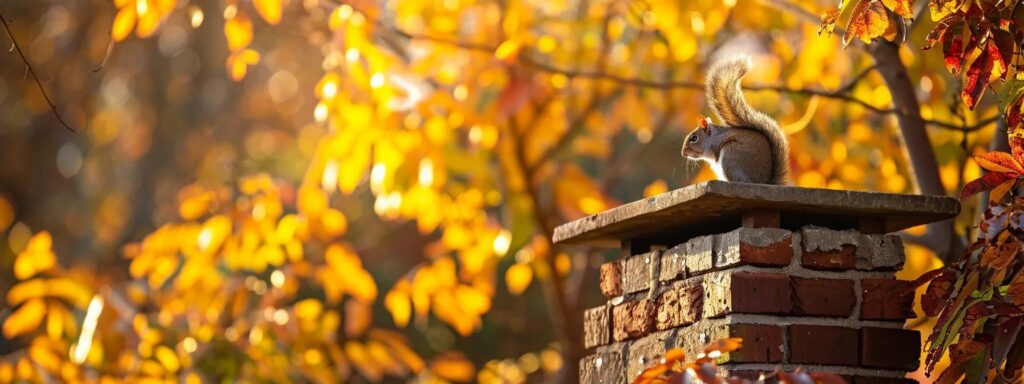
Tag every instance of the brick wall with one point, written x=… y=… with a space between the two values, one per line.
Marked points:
x=815 y=298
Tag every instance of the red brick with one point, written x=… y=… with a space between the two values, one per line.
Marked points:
x=682 y=304
x=739 y=292
x=762 y=343
x=819 y=344
x=775 y=254
x=823 y=297
x=890 y=348
x=761 y=293
x=754 y=246
x=886 y=299
x=633 y=319
x=611 y=279
x=834 y=260
x=597 y=326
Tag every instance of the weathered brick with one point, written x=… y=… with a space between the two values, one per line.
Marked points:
x=890 y=348
x=818 y=344
x=607 y=368
x=742 y=292
x=886 y=299
x=611 y=279
x=762 y=343
x=754 y=246
x=681 y=304
x=637 y=272
x=597 y=326
x=673 y=264
x=645 y=352
x=633 y=319
x=825 y=249
x=699 y=255
x=880 y=252
x=823 y=297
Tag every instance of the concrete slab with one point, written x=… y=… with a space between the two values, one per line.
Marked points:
x=717 y=207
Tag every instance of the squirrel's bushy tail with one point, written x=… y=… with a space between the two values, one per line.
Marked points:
x=726 y=99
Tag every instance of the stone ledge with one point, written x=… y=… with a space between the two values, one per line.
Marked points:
x=717 y=207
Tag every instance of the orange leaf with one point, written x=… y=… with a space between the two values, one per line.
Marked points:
x=868 y=21
x=728 y=344
x=453 y=366
x=999 y=162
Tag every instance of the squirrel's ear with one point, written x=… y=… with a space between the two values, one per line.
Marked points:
x=703 y=121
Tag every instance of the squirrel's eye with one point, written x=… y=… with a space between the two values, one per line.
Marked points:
x=693 y=139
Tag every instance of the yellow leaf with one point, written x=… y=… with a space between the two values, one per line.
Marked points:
x=518 y=277
x=334 y=222
x=167 y=358
x=308 y=309
x=398 y=303
x=269 y=10
x=312 y=200
x=124 y=22
x=55 y=321
x=25 y=319
x=361 y=359
x=238 y=31
x=70 y=290
x=25 y=291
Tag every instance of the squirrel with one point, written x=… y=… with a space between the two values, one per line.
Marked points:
x=750 y=147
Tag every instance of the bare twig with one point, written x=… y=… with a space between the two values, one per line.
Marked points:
x=32 y=72
x=106 y=56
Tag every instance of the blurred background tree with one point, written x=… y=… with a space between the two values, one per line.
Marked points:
x=327 y=190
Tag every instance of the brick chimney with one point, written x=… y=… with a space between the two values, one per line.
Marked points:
x=805 y=276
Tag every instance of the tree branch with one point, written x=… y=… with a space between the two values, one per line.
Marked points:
x=32 y=72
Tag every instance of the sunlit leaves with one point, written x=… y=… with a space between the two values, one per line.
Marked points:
x=238 y=30
x=453 y=366
x=868 y=22
x=269 y=10
x=518 y=277
x=144 y=16
x=345 y=275
x=26 y=318
x=36 y=257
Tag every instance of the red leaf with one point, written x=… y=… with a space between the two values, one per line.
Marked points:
x=977 y=79
x=953 y=47
x=985 y=183
x=943 y=26
x=1002 y=42
x=1015 y=127
x=939 y=291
